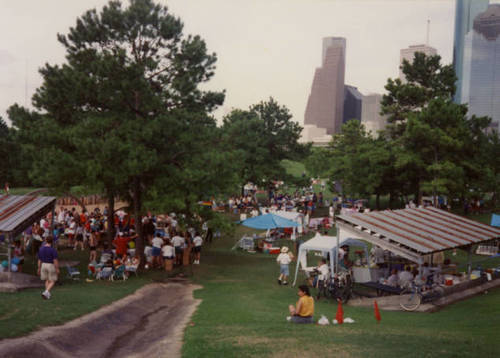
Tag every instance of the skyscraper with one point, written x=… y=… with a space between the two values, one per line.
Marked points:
x=481 y=66
x=325 y=105
x=370 y=114
x=409 y=53
x=352 y=103
x=465 y=12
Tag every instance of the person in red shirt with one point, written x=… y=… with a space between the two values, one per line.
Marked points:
x=121 y=244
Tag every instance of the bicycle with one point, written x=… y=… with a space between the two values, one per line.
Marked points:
x=411 y=297
x=339 y=288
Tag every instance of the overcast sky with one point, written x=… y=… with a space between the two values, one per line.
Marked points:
x=264 y=47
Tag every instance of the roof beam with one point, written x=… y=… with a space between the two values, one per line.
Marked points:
x=407 y=254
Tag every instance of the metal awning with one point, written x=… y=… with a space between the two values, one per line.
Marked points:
x=416 y=232
x=18 y=212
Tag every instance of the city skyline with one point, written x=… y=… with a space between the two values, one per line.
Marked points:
x=264 y=54
x=325 y=104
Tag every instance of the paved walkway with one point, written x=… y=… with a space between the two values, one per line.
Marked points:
x=150 y=323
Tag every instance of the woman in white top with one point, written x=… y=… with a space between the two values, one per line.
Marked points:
x=178 y=243
x=197 y=241
x=157 y=244
x=168 y=253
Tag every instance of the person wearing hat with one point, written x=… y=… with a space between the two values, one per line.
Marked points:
x=284 y=260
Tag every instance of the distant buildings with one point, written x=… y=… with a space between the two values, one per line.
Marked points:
x=480 y=82
x=352 y=104
x=325 y=106
x=465 y=13
x=370 y=114
x=409 y=53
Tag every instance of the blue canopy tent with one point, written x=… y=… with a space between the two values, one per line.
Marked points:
x=495 y=220
x=268 y=221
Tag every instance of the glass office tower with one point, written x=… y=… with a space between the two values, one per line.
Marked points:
x=465 y=12
x=481 y=66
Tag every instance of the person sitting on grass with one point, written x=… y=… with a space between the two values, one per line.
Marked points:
x=303 y=311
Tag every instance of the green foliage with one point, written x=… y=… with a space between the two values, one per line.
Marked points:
x=261 y=138
x=125 y=115
x=16 y=159
x=317 y=163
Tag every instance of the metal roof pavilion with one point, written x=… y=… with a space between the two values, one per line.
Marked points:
x=412 y=233
x=18 y=212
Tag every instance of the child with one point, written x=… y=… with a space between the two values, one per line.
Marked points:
x=284 y=260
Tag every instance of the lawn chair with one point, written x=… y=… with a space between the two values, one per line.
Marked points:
x=132 y=268
x=119 y=274
x=73 y=273
x=105 y=273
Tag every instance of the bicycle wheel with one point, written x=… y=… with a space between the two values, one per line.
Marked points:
x=409 y=300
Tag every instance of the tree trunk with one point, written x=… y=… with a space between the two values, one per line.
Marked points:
x=377 y=202
x=137 y=199
x=111 y=216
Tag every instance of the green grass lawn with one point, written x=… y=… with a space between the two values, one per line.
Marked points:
x=25 y=311
x=243 y=312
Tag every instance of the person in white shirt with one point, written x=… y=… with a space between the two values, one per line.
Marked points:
x=284 y=260
x=323 y=275
x=178 y=241
x=393 y=279
x=157 y=243
x=197 y=241
x=168 y=253
x=405 y=277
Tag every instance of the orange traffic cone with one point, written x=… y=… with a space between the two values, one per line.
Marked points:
x=377 y=312
x=340 y=313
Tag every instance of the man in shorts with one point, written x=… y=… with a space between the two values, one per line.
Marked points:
x=48 y=266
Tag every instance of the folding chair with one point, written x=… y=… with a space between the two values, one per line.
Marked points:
x=105 y=273
x=73 y=273
x=119 y=274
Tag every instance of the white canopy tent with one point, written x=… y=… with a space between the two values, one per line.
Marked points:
x=326 y=245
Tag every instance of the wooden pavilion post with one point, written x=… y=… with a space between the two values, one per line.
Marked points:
x=9 y=244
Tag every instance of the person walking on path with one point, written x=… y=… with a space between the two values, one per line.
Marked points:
x=48 y=266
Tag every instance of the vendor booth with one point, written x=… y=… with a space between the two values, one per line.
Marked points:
x=326 y=245
x=417 y=233
x=264 y=222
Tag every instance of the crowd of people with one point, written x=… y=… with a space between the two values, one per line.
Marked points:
x=167 y=243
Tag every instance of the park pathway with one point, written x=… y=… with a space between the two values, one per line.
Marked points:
x=148 y=323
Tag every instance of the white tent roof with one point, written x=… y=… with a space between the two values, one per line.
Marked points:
x=325 y=244
x=320 y=243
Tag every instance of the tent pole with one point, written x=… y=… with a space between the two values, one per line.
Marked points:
x=297 y=266
x=337 y=253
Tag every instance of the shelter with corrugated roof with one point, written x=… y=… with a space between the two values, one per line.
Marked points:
x=415 y=233
x=18 y=212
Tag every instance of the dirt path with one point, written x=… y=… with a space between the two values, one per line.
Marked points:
x=149 y=323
